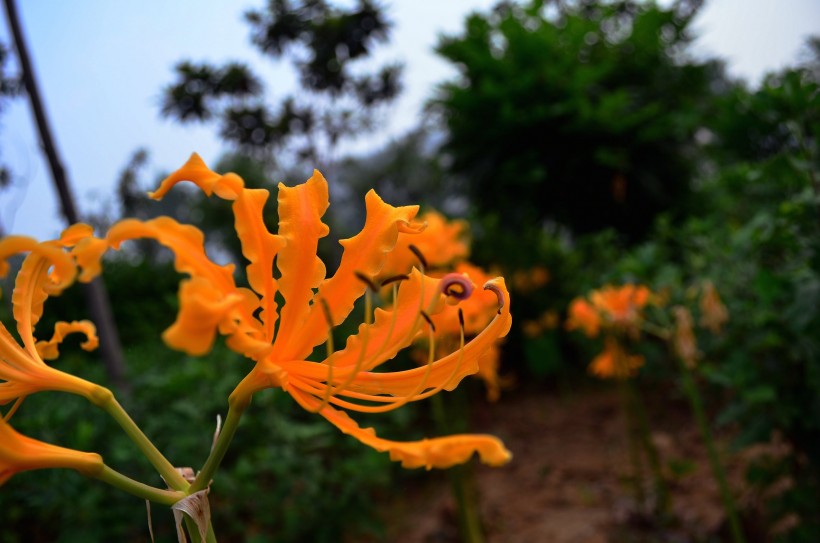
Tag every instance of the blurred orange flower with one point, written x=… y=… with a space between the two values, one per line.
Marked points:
x=614 y=362
x=713 y=314
x=211 y=303
x=583 y=316
x=620 y=305
x=20 y=453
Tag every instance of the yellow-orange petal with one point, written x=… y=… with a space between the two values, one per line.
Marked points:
x=88 y=253
x=186 y=241
x=226 y=186
x=201 y=309
x=21 y=453
x=259 y=247
x=49 y=350
x=443 y=452
x=364 y=253
x=300 y=224
x=442 y=243
x=63 y=271
x=392 y=329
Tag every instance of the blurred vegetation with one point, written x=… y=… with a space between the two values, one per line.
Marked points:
x=580 y=137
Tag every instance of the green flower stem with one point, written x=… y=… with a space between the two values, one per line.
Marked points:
x=103 y=398
x=719 y=473
x=141 y=490
x=236 y=406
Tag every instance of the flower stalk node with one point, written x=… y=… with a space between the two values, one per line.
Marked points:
x=100 y=396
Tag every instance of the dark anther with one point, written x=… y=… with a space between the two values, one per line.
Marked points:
x=499 y=294
x=429 y=320
x=326 y=311
x=456 y=285
x=461 y=318
x=419 y=256
x=394 y=279
x=366 y=280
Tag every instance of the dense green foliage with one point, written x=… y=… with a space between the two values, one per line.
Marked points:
x=585 y=117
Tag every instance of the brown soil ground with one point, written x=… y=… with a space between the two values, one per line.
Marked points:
x=572 y=481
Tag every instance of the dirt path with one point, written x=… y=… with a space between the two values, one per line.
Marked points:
x=570 y=479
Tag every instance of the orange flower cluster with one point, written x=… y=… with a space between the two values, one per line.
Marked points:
x=617 y=311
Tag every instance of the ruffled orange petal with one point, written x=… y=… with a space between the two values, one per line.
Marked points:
x=364 y=253
x=49 y=350
x=442 y=242
x=226 y=186
x=259 y=247
x=86 y=249
x=64 y=270
x=300 y=224
x=201 y=309
x=441 y=452
x=186 y=241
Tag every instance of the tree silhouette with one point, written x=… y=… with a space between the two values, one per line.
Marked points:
x=325 y=44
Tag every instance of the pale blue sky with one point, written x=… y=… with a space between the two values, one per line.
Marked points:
x=89 y=56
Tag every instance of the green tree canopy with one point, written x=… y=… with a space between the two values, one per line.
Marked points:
x=576 y=113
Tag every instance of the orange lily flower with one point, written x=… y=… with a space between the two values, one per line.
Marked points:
x=46 y=271
x=614 y=362
x=621 y=305
x=211 y=303
x=583 y=316
x=20 y=453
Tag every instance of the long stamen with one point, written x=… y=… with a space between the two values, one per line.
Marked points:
x=420 y=256
x=498 y=293
x=14 y=408
x=368 y=320
x=329 y=379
